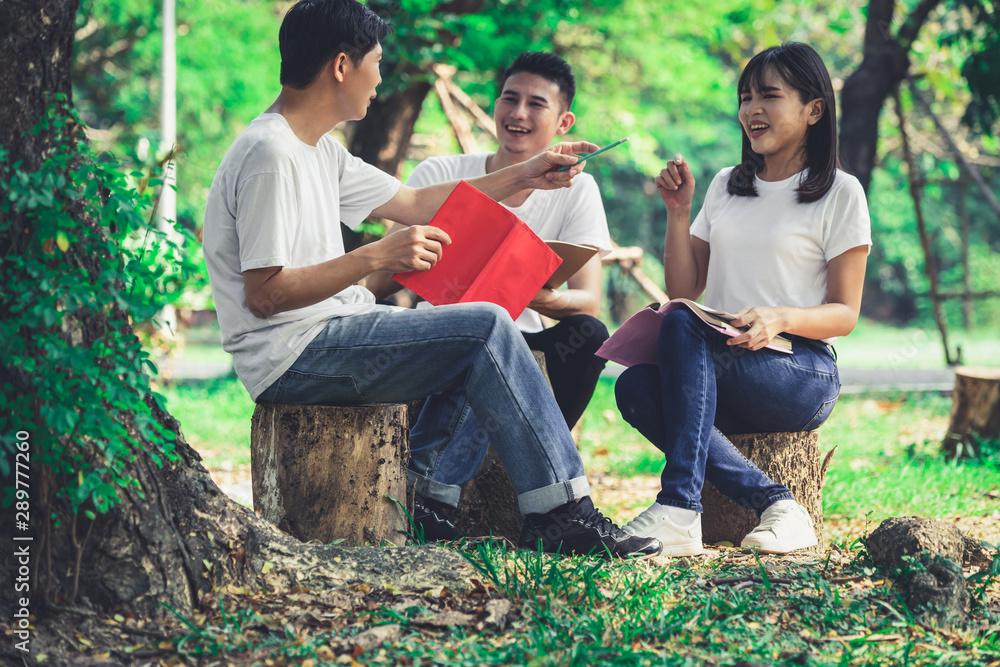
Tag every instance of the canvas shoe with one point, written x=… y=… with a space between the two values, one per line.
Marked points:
x=429 y=518
x=784 y=526
x=579 y=528
x=677 y=529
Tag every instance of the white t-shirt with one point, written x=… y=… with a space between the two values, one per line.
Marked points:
x=574 y=214
x=770 y=250
x=277 y=201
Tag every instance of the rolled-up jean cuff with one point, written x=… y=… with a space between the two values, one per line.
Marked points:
x=428 y=488
x=773 y=499
x=682 y=504
x=539 y=501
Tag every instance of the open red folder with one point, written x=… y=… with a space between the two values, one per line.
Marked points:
x=493 y=256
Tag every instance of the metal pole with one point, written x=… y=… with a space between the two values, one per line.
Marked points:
x=168 y=137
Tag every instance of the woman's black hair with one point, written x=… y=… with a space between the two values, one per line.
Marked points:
x=314 y=31
x=801 y=68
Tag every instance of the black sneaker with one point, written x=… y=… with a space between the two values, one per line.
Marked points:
x=428 y=517
x=579 y=528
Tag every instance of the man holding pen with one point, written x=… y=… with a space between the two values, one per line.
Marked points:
x=532 y=110
x=300 y=328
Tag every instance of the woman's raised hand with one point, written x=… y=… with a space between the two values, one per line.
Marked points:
x=676 y=184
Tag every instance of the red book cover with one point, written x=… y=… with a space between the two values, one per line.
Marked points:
x=493 y=256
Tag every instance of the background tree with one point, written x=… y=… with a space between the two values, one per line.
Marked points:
x=886 y=62
x=949 y=48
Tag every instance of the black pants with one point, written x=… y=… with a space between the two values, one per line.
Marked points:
x=569 y=349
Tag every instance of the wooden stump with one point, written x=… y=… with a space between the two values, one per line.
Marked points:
x=791 y=459
x=488 y=505
x=975 y=410
x=326 y=472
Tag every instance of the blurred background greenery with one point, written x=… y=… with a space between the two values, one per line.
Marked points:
x=662 y=73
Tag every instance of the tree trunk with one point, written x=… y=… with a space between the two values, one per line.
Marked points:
x=884 y=65
x=791 y=459
x=174 y=537
x=331 y=473
x=36 y=48
x=383 y=136
x=975 y=410
x=489 y=503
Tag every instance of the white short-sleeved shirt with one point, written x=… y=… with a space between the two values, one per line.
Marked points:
x=770 y=250
x=277 y=201
x=574 y=214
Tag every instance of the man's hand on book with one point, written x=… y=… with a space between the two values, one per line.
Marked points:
x=540 y=172
x=416 y=248
x=764 y=324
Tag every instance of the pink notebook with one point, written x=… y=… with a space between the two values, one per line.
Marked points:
x=636 y=340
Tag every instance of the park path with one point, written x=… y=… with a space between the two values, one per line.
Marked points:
x=853 y=380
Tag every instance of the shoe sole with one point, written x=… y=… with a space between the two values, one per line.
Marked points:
x=675 y=550
x=681 y=550
x=765 y=550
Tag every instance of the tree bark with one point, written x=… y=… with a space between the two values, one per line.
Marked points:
x=975 y=410
x=36 y=48
x=884 y=65
x=383 y=136
x=791 y=459
x=175 y=537
x=331 y=473
x=489 y=503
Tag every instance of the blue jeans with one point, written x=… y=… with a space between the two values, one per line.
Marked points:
x=395 y=355
x=460 y=441
x=703 y=389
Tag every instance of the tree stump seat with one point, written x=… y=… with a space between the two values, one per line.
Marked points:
x=975 y=411
x=328 y=472
x=791 y=459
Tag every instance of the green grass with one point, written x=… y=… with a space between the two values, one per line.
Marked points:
x=215 y=418
x=876 y=345
x=581 y=611
x=889 y=461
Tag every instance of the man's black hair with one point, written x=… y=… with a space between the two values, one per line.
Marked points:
x=314 y=31
x=802 y=69
x=549 y=66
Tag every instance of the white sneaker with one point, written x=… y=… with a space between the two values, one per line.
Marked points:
x=784 y=526
x=679 y=530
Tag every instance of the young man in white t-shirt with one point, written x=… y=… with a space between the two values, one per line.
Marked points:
x=533 y=109
x=302 y=331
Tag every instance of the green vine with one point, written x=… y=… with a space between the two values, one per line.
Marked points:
x=80 y=264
